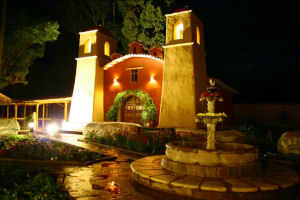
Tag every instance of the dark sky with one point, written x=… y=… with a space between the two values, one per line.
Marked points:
x=253 y=46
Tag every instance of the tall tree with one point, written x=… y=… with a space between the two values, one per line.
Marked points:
x=25 y=40
x=2 y=28
x=143 y=21
x=77 y=15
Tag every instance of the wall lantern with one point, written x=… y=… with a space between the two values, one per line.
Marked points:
x=152 y=80
x=116 y=81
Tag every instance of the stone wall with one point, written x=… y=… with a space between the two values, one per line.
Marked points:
x=109 y=129
x=9 y=126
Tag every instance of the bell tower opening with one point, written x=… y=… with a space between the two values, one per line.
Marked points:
x=106 y=49
x=88 y=46
x=198 y=35
x=178 y=30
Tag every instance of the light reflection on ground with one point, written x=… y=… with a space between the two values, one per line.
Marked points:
x=109 y=179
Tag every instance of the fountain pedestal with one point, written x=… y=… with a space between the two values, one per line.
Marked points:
x=211 y=136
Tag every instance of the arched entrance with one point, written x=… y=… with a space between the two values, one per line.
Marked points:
x=132 y=109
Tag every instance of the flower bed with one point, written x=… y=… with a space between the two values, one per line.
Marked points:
x=24 y=147
x=146 y=140
x=18 y=183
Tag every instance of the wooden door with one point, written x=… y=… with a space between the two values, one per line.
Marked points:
x=132 y=109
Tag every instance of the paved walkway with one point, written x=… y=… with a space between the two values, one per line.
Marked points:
x=110 y=179
x=95 y=181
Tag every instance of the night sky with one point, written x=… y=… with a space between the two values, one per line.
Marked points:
x=253 y=46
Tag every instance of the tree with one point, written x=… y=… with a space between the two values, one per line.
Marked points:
x=77 y=15
x=25 y=40
x=143 y=21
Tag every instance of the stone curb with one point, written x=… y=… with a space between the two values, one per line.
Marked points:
x=283 y=162
x=57 y=162
x=114 y=147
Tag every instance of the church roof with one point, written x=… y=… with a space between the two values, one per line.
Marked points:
x=121 y=59
x=101 y=29
x=156 y=47
x=181 y=9
x=5 y=99
x=225 y=86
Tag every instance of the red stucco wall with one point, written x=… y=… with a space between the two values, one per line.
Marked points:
x=150 y=67
x=138 y=48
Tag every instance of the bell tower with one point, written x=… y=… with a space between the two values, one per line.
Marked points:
x=95 y=47
x=184 y=74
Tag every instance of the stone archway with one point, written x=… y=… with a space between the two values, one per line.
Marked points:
x=132 y=109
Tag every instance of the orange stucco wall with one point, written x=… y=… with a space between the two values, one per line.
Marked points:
x=120 y=72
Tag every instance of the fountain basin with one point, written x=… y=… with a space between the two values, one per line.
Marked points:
x=228 y=160
x=226 y=154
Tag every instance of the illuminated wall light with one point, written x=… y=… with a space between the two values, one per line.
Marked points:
x=152 y=80
x=116 y=81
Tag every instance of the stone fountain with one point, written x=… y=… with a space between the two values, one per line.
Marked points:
x=211 y=118
x=210 y=169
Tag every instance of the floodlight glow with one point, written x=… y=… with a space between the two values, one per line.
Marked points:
x=31 y=125
x=52 y=129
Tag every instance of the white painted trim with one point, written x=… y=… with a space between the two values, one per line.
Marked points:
x=86 y=57
x=132 y=68
x=182 y=12
x=118 y=60
x=176 y=45
x=88 y=31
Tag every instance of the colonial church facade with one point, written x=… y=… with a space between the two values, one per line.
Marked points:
x=173 y=76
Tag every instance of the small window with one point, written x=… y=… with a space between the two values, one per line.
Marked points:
x=106 y=48
x=154 y=53
x=134 y=75
x=198 y=34
x=134 y=50
x=88 y=46
x=178 y=31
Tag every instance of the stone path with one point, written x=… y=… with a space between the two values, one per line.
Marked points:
x=113 y=179
x=94 y=181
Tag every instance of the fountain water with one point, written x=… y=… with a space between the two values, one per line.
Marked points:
x=202 y=170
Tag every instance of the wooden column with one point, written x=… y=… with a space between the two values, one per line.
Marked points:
x=43 y=117
x=16 y=111
x=7 y=112
x=37 y=117
x=24 y=111
x=24 y=115
x=47 y=107
x=66 y=112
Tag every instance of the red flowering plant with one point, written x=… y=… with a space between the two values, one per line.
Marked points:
x=211 y=92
